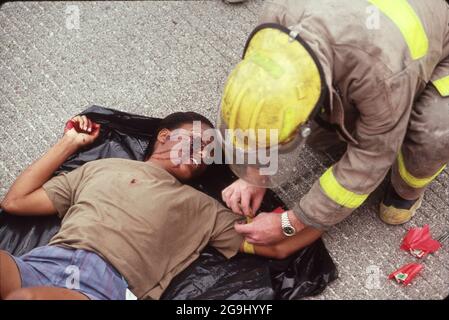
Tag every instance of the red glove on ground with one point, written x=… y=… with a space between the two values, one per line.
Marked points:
x=419 y=243
x=406 y=273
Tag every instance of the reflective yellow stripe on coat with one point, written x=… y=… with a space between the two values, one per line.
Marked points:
x=335 y=191
x=442 y=86
x=405 y=18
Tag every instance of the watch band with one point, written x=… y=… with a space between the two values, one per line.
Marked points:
x=287 y=227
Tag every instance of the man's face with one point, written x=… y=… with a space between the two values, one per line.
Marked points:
x=185 y=145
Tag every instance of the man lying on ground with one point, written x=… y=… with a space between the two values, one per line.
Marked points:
x=125 y=223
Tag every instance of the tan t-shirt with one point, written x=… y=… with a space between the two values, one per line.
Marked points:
x=139 y=218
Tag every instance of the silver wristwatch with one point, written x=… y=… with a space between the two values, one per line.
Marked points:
x=287 y=227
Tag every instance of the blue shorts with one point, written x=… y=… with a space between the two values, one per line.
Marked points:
x=79 y=270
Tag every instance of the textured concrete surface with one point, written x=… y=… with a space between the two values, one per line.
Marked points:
x=153 y=58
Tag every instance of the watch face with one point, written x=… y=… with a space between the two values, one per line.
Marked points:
x=289 y=231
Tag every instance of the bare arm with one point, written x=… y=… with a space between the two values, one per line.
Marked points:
x=286 y=247
x=26 y=195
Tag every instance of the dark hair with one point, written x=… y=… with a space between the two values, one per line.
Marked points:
x=175 y=121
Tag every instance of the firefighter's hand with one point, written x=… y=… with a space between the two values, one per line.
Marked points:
x=243 y=198
x=266 y=228
x=81 y=131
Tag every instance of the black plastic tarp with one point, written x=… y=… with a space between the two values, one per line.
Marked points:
x=211 y=276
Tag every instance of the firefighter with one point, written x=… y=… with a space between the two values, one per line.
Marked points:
x=372 y=74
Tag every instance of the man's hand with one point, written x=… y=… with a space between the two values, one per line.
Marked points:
x=243 y=198
x=26 y=194
x=266 y=228
x=81 y=131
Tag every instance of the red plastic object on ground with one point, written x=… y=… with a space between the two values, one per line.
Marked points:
x=419 y=243
x=406 y=273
